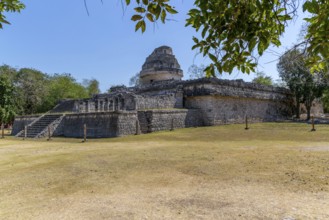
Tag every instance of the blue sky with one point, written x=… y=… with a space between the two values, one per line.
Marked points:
x=59 y=37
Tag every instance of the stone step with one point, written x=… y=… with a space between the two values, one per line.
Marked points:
x=40 y=125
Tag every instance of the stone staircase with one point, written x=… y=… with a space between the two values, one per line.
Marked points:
x=39 y=127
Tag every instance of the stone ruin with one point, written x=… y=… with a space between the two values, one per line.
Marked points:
x=161 y=65
x=162 y=101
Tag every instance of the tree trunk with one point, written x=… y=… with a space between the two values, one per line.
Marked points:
x=308 y=109
x=2 y=127
x=298 y=109
x=308 y=105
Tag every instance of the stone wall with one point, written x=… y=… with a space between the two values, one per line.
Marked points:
x=230 y=101
x=127 y=123
x=115 y=124
x=151 y=76
x=194 y=118
x=316 y=110
x=162 y=87
x=156 y=102
x=165 y=95
x=217 y=110
x=22 y=121
x=234 y=88
x=99 y=124
x=158 y=120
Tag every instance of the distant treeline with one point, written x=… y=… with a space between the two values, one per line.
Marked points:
x=28 y=91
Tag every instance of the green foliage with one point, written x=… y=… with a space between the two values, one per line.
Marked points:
x=63 y=86
x=7 y=107
x=36 y=92
x=92 y=86
x=9 y=6
x=317 y=35
x=151 y=10
x=261 y=78
x=31 y=87
x=325 y=101
x=234 y=33
x=198 y=72
x=9 y=72
x=304 y=85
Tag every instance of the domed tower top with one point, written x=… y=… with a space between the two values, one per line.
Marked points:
x=159 y=66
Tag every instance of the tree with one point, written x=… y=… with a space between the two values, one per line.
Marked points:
x=36 y=92
x=280 y=83
x=134 y=80
x=32 y=90
x=314 y=87
x=316 y=39
x=325 y=100
x=304 y=85
x=9 y=72
x=9 y=6
x=196 y=72
x=92 y=86
x=261 y=78
x=63 y=86
x=7 y=107
x=235 y=32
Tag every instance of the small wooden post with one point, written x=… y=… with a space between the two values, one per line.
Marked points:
x=25 y=132
x=172 y=125
x=138 y=132
x=313 y=127
x=84 y=133
x=2 y=131
x=49 y=135
x=247 y=127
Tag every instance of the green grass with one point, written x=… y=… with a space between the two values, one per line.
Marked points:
x=272 y=171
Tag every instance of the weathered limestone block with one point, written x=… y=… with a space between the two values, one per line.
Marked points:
x=167 y=119
x=234 y=88
x=99 y=124
x=156 y=102
x=217 y=110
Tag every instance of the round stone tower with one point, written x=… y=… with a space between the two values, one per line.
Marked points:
x=159 y=66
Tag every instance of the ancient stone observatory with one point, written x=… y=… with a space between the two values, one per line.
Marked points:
x=159 y=66
x=162 y=101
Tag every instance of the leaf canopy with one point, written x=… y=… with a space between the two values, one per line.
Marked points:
x=235 y=33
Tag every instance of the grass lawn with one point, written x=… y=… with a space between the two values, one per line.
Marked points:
x=272 y=171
